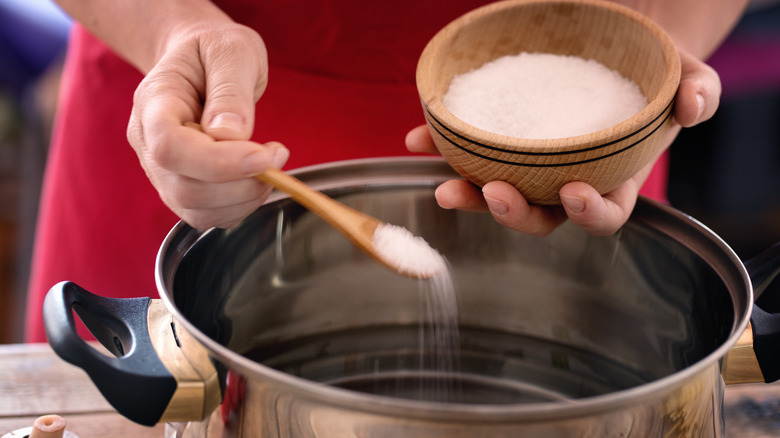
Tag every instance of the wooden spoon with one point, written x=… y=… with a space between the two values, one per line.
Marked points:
x=356 y=226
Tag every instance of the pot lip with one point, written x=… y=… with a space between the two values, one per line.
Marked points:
x=706 y=241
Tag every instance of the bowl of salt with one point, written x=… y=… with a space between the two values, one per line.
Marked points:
x=540 y=93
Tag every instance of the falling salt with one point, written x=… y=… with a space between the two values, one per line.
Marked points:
x=439 y=329
x=542 y=95
x=411 y=254
x=440 y=337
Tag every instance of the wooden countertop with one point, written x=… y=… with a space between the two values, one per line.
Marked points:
x=35 y=382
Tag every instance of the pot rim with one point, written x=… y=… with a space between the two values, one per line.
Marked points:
x=675 y=224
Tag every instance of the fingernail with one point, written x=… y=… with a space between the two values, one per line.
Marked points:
x=281 y=154
x=230 y=121
x=254 y=163
x=573 y=203
x=700 y=108
x=496 y=207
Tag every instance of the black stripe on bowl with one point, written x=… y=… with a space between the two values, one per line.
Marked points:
x=665 y=114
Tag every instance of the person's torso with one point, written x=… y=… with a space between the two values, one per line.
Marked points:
x=376 y=40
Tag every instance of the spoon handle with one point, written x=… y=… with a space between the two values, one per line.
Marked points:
x=355 y=225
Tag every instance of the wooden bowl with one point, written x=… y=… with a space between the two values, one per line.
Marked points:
x=616 y=36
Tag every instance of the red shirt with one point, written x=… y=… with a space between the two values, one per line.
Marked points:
x=341 y=86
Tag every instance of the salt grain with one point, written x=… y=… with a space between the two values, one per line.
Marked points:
x=411 y=254
x=542 y=95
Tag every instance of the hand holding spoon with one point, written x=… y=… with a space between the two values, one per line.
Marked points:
x=391 y=245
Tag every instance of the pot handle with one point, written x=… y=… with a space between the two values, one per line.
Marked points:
x=159 y=373
x=763 y=269
x=765 y=317
x=756 y=356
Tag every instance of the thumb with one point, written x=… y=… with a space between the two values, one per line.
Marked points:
x=236 y=75
x=699 y=92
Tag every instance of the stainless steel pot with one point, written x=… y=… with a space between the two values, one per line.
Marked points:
x=280 y=328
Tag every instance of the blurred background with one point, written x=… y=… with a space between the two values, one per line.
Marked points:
x=726 y=172
x=33 y=38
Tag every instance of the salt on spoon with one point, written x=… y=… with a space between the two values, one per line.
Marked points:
x=391 y=245
x=411 y=254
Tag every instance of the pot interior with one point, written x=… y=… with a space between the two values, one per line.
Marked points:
x=563 y=317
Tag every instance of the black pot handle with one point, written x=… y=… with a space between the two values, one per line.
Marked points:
x=135 y=382
x=765 y=317
x=763 y=269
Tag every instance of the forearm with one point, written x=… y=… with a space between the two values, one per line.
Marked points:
x=140 y=31
x=697 y=26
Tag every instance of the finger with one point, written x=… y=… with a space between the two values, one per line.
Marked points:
x=599 y=216
x=460 y=194
x=419 y=140
x=191 y=194
x=202 y=204
x=509 y=208
x=698 y=95
x=222 y=217
x=603 y=215
x=236 y=75
x=182 y=150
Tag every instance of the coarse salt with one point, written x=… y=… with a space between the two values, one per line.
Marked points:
x=411 y=254
x=543 y=95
